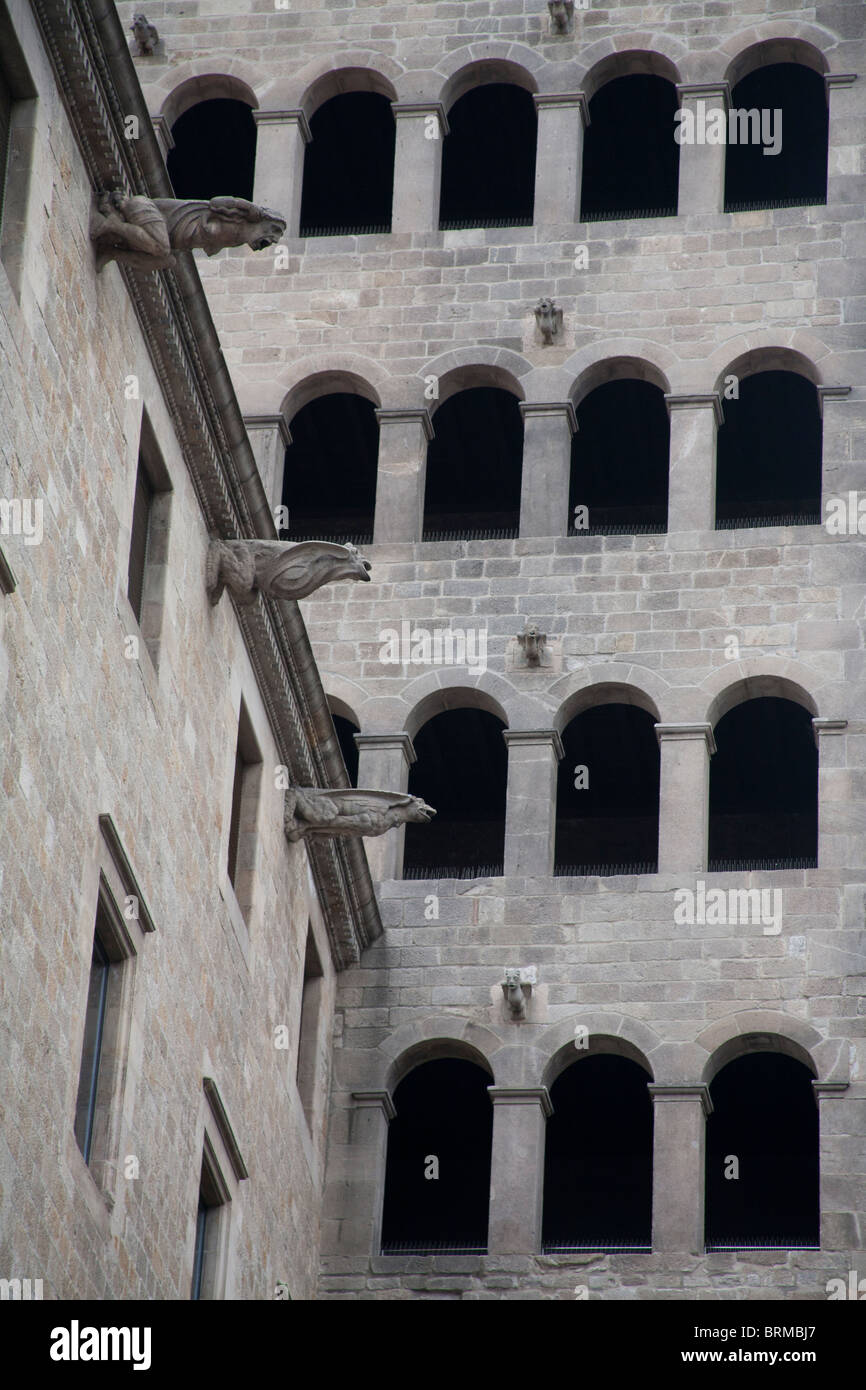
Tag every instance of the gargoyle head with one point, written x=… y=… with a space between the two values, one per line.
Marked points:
x=419 y=812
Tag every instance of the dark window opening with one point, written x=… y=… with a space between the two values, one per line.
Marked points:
x=607 y=797
x=245 y=786
x=5 y=132
x=329 y=482
x=631 y=161
x=762 y=1156
x=207 y=1234
x=94 y=1028
x=474 y=467
x=462 y=772
x=308 y=1035
x=768 y=454
x=437 y=1176
x=345 y=731
x=138 y=542
x=797 y=175
x=349 y=167
x=598 y=1158
x=619 y=461
x=764 y=788
x=488 y=159
x=214 y=151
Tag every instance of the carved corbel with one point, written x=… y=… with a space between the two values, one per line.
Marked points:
x=548 y=320
x=517 y=988
x=561 y=16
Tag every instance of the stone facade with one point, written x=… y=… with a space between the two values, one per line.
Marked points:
x=117 y=757
x=692 y=298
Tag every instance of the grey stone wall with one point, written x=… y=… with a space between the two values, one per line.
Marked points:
x=691 y=297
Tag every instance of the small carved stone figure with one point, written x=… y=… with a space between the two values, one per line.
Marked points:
x=548 y=318
x=512 y=988
x=533 y=643
x=143 y=232
x=346 y=811
x=280 y=569
x=146 y=35
x=561 y=12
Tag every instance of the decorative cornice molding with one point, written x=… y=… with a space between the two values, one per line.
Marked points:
x=659 y=1091
x=294 y=117
x=687 y=731
x=125 y=872
x=407 y=416
x=697 y=400
x=542 y=408
x=99 y=86
x=522 y=1095
x=408 y=109
x=227 y=1134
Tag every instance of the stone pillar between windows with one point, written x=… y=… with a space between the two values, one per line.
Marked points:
x=164 y=137
x=383 y=766
x=421 y=128
x=530 y=816
x=281 y=138
x=843 y=458
x=401 y=475
x=548 y=428
x=692 y=477
x=684 y=796
x=702 y=165
x=562 y=119
x=845 y=134
x=269 y=440
x=517 y=1168
x=356 y=1179
x=679 y=1140
x=839 y=1225
x=838 y=827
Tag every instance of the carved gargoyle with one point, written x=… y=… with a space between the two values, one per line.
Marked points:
x=533 y=643
x=146 y=35
x=549 y=320
x=512 y=988
x=347 y=811
x=561 y=12
x=279 y=569
x=144 y=232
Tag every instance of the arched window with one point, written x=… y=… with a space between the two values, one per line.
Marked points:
x=762 y=1156
x=214 y=151
x=598 y=1158
x=764 y=788
x=768 y=453
x=349 y=166
x=345 y=731
x=488 y=159
x=462 y=771
x=631 y=160
x=474 y=466
x=619 y=461
x=790 y=100
x=437 y=1178
x=607 y=798
x=329 y=482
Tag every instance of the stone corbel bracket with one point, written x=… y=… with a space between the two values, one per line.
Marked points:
x=533 y=645
x=278 y=569
x=517 y=989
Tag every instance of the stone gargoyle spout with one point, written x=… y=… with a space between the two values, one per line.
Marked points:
x=279 y=569
x=145 y=232
x=347 y=811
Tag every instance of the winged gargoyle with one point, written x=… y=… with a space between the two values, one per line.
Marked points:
x=279 y=569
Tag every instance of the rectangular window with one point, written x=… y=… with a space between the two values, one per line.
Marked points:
x=148 y=540
x=308 y=1039
x=94 y=1028
x=246 y=783
x=211 y=1231
x=18 y=114
x=5 y=134
x=141 y=509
